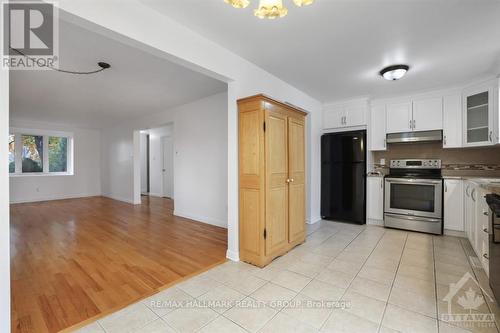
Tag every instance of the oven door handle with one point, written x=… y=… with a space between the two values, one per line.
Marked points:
x=413 y=218
x=413 y=181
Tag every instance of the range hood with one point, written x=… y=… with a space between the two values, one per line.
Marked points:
x=412 y=137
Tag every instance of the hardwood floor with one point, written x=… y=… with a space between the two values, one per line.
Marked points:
x=76 y=259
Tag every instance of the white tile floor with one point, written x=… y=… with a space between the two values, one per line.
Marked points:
x=387 y=280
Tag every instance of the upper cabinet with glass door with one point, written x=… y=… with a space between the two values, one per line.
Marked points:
x=479 y=116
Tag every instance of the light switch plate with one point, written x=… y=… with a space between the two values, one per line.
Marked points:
x=382 y=161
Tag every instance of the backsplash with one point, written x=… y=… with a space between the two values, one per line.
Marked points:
x=481 y=162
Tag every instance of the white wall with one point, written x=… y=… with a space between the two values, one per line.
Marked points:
x=4 y=203
x=86 y=180
x=200 y=161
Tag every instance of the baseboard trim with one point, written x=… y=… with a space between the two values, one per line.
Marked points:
x=313 y=220
x=118 y=198
x=233 y=255
x=158 y=195
x=454 y=233
x=203 y=219
x=57 y=197
x=379 y=223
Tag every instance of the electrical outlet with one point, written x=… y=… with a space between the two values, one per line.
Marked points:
x=382 y=161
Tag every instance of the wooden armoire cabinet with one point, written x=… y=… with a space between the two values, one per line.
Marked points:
x=272 y=179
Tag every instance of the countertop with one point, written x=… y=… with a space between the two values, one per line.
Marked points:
x=489 y=184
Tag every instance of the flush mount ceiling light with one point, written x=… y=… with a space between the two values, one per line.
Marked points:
x=270 y=9
x=395 y=72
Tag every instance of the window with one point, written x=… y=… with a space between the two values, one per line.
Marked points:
x=37 y=152
x=32 y=153
x=58 y=154
x=12 y=153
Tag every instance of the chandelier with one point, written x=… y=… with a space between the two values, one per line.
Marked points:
x=269 y=9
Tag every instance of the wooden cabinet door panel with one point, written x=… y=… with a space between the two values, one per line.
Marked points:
x=276 y=138
x=297 y=175
x=251 y=157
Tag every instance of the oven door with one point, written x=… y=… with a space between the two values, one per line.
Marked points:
x=414 y=197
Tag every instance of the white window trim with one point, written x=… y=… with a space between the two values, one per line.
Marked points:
x=18 y=148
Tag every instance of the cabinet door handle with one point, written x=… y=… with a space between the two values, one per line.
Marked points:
x=486 y=214
x=472 y=194
x=445 y=187
x=288 y=180
x=414 y=124
x=411 y=124
x=385 y=143
x=485 y=256
x=485 y=230
x=444 y=140
x=467 y=191
x=491 y=136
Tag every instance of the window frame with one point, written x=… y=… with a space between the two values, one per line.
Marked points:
x=18 y=149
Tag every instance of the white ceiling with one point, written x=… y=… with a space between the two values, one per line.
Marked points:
x=335 y=48
x=138 y=83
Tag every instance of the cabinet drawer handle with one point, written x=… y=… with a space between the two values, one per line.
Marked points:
x=486 y=214
x=485 y=230
x=485 y=256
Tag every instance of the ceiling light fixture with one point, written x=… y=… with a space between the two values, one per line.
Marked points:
x=238 y=3
x=102 y=65
x=395 y=72
x=269 y=9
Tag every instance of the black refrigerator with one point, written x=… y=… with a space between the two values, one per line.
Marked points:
x=343 y=177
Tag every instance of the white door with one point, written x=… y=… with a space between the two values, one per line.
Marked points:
x=375 y=198
x=452 y=121
x=428 y=114
x=334 y=117
x=376 y=128
x=168 y=167
x=453 y=205
x=399 y=117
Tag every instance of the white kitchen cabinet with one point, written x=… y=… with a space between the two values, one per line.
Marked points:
x=453 y=205
x=333 y=117
x=375 y=199
x=469 y=213
x=452 y=121
x=355 y=115
x=350 y=114
x=482 y=220
x=376 y=130
x=428 y=114
x=479 y=115
x=399 y=117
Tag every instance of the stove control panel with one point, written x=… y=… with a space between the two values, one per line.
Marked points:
x=416 y=164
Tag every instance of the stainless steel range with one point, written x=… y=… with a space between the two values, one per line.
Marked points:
x=414 y=196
